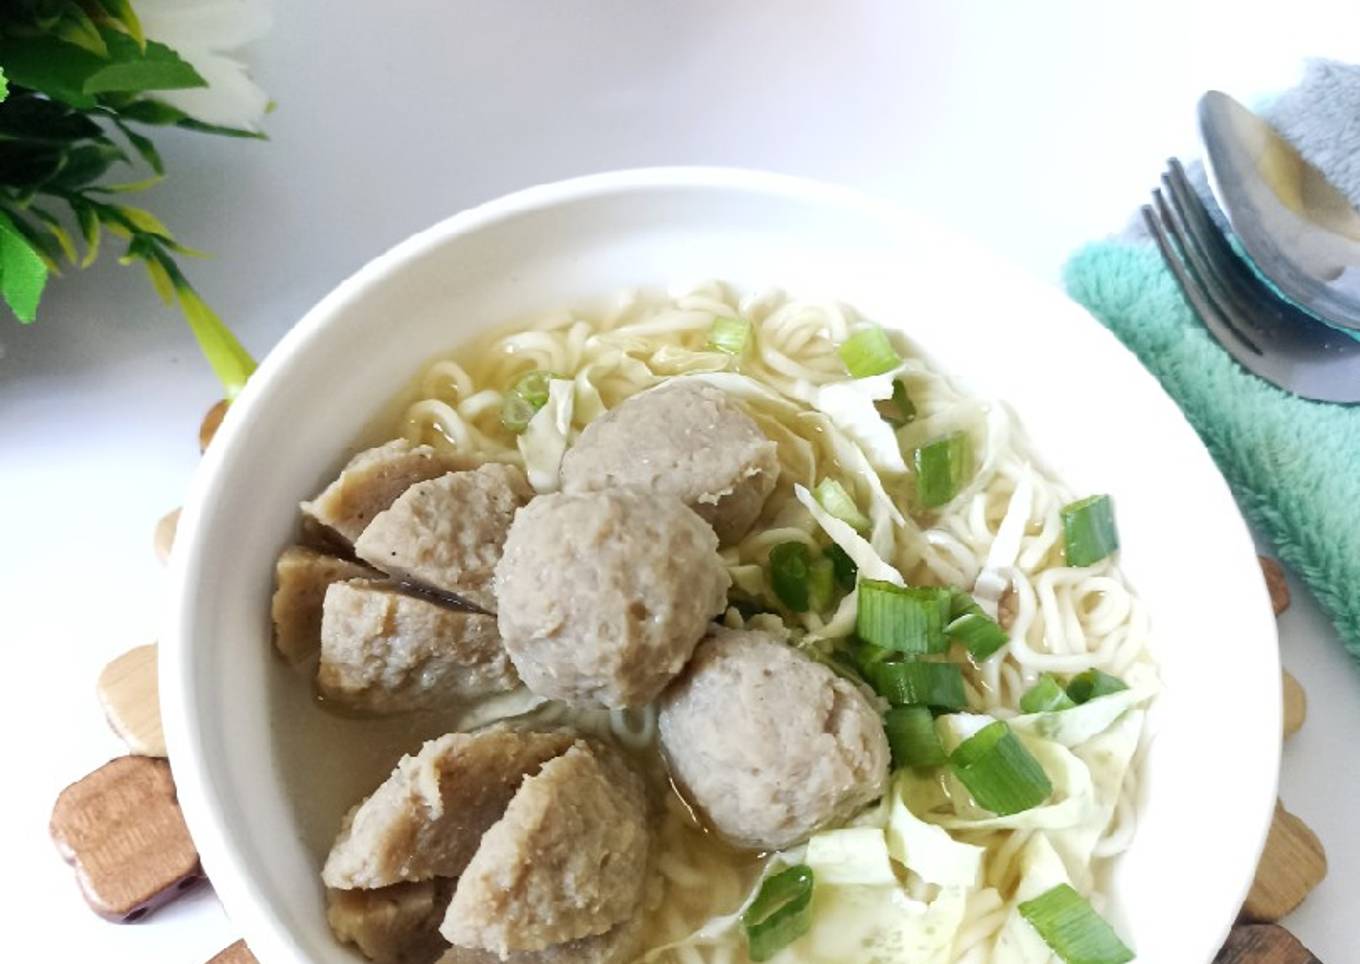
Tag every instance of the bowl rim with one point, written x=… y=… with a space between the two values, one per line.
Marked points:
x=232 y=878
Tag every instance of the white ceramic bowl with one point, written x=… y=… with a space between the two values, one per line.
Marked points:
x=1099 y=419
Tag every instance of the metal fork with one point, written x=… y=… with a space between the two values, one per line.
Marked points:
x=1266 y=334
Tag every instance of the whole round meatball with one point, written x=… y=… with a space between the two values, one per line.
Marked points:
x=604 y=595
x=767 y=744
x=685 y=438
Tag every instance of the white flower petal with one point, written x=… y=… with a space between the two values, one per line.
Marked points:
x=219 y=25
x=231 y=98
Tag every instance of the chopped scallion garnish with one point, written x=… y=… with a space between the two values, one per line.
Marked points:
x=908 y=682
x=912 y=737
x=730 y=335
x=780 y=914
x=907 y=619
x=1074 y=931
x=789 y=563
x=969 y=625
x=846 y=570
x=1093 y=683
x=942 y=467
x=897 y=410
x=832 y=497
x=1089 y=533
x=1046 y=696
x=821 y=584
x=526 y=396
x=869 y=352
x=999 y=772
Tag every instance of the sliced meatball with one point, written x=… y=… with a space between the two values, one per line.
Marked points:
x=604 y=595
x=428 y=817
x=370 y=482
x=618 y=945
x=567 y=861
x=767 y=744
x=301 y=577
x=392 y=925
x=385 y=652
x=448 y=532
x=685 y=438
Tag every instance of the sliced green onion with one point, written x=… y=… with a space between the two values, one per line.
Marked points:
x=1046 y=696
x=869 y=352
x=907 y=619
x=942 y=467
x=846 y=570
x=912 y=737
x=1089 y=534
x=907 y=682
x=526 y=396
x=789 y=562
x=832 y=497
x=730 y=335
x=1093 y=683
x=969 y=625
x=999 y=772
x=1074 y=931
x=780 y=914
x=866 y=655
x=897 y=410
x=821 y=584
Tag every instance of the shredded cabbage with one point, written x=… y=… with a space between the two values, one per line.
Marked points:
x=871 y=565
x=927 y=849
x=1074 y=726
x=1041 y=869
x=544 y=440
x=850 y=406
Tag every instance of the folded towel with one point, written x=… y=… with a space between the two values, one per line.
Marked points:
x=1294 y=465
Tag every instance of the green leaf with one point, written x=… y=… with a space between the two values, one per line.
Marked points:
x=144 y=221
x=34 y=119
x=75 y=26
x=51 y=66
x=128 y=187
x=23 y=272
x=4 y=85
x=229 y=360
x=58 y=231
x=143 y=146
x=135 y=69
x=121 y=12
x=88 y=163
x=147 y=111
x=89 y=230
x=25 y=167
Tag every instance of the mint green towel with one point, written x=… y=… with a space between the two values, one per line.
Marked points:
x=1294 y=465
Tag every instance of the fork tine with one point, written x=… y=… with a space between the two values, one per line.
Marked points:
x=1203 y=307
x=1261 y=308
x=1231 y=311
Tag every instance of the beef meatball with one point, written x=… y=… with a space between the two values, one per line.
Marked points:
x=687 y=439
x=604 y=595
x=767 y=744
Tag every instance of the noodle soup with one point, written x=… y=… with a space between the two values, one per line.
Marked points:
x=934 y=503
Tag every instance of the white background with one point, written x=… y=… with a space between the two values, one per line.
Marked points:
x=1031 y=126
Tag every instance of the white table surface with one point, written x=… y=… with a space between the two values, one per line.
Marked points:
x=1032 y=129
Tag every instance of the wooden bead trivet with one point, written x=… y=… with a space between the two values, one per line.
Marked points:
x=164 y=537
x=122 y=830
x=1263 y=944
x=1276 y=583
x=237 y=953
x=211 y=423
x=129 y=693
x=1295 y=705
x=1292 y=864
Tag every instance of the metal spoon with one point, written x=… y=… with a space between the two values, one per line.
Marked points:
x=1299 y=230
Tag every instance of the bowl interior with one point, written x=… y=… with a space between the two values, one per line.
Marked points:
x=262 y=806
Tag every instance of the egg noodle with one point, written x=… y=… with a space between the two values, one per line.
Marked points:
x=1000 y=537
